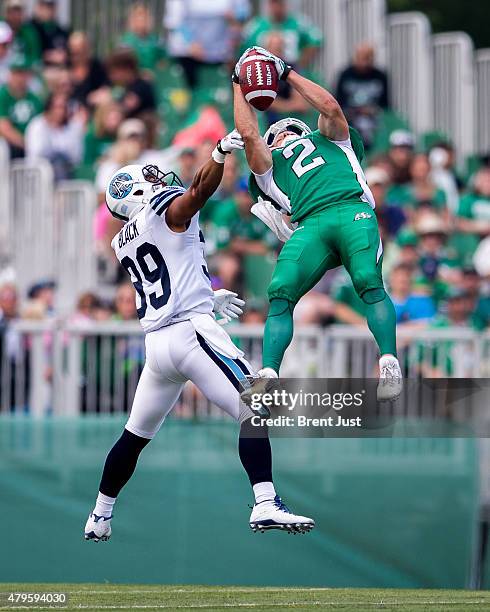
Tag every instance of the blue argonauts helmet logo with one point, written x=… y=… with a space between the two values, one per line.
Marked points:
x=121 y=185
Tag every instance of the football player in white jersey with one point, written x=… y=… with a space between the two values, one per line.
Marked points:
x=161 y=247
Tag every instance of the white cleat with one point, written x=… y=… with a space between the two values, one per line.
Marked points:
x=259 y=383
x=274 y=514
x=390 y=379
x=98 y=528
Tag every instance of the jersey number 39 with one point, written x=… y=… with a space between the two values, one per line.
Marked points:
x=146 y=254
x=308 y=148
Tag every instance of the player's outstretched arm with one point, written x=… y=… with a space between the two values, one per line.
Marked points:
x=205 y=182
x=259 y=157
x=332 y=122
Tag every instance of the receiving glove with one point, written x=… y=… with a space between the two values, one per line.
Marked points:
x=231 y=142
x=282 y=68
x=273 y=218
x=228 y=305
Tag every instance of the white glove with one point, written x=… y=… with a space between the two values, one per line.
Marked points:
x=231 y=142
x=273 y=218
x=282 y=68
x=228 y=305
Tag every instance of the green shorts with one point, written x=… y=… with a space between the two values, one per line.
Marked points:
x=343 y=234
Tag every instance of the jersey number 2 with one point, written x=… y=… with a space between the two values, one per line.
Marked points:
x=159 y=272
x=308 y=148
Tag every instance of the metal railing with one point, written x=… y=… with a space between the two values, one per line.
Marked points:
x=410 y=68
x=68 y=368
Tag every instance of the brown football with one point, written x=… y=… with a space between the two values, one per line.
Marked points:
x=259 y=81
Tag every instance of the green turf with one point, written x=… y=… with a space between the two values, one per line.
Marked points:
x=124 y=597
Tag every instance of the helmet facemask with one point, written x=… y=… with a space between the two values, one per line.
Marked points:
x=297 y=127
x=158 y=178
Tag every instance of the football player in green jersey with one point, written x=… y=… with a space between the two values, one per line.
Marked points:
x=316 y=178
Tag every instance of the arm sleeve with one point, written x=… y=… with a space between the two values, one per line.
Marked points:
x=464 y=208
x=268 y=186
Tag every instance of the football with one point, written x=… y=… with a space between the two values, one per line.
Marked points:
x=259 y=81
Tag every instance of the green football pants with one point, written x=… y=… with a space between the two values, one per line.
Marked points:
x=344 y=234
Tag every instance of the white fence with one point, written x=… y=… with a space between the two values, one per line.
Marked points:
x=75 y=260
x=483 y=100
x=46 y=231
x=31 y=222
x=68 y=368
x=410 y=68
x=346 y=23
x=454 y=89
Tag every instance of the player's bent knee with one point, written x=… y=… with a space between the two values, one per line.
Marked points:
x=279 y=306
x=373 y=296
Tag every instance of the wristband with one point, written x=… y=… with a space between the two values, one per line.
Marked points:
x=218 y=157
x=285 y=72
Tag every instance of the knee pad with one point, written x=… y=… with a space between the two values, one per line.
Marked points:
x=279 y=306
x=373 y=296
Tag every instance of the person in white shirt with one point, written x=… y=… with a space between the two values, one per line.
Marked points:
x=57 y=136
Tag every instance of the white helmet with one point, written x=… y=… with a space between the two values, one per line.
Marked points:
x=132 y=186
x=290 y=124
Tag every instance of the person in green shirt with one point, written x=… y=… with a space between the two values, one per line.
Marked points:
x=18 y=106
x=317 y=178
x=301 y=38
x=102 y=132
x=139 y=37
x=473 y=216
x=420 y=192
x=26 y=40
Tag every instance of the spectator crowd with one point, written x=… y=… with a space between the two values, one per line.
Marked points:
x=163 y=95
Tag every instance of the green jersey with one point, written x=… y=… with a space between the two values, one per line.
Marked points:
x=297 y=34
x=19 y=111
x=313 y=173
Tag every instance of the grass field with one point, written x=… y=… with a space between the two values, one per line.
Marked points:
x=134 y=597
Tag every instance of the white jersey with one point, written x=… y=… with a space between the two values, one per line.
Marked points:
x=167 y=268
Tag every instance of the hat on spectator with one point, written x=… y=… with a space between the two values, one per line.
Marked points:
x=6 y=33
x=14 y=4
x=402 y=138
x=377 y=176
x=19 y=62
x=431 y=224
x=40 y=286
x=131 y=128
x=407 y=237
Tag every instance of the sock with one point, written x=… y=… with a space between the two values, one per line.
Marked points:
x=255 y=452
x=278 y=333
x=264 y=491
x=121 y=463
x=381 y=320
x=104 y=505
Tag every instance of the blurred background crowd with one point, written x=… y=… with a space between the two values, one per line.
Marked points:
x=162 y=95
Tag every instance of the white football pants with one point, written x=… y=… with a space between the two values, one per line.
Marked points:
x=174 y=355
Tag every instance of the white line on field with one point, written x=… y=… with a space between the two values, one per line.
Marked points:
x=247 y=605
